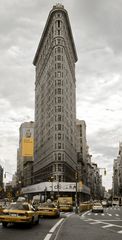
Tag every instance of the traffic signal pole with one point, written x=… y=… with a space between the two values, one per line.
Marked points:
x=76 y=193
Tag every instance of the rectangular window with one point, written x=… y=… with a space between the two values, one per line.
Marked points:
x=59 y=136
x=58 y=65
x=58 y=74
x=59 y=23
x=59 y=90
x=58 y=41
x=58 y=49
x=59 y=32
x=59 y=108
x=59 y=126
x=59 y=117
x=59 y=99
x=59 y=156
x=59 y=57
x=59 y=167
x=59 y=82
x=59 y=145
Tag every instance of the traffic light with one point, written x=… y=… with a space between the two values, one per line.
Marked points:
x=76 y=175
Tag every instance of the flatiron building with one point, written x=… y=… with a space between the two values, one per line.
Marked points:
x=55 y=100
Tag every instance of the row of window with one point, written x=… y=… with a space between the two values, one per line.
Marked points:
x=59 y=127
x=59 y=109
x=59 y=74
x=59 y=156
x=58 y=66
x=58 y=58
x=59 y=145
x=59 y=100
x=59 y=136
x=58 y=49
x=59 y=167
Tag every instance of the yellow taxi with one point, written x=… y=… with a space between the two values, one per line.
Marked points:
x=19 y=212
x=66 y=208
x=48 y=210
x=1 y=208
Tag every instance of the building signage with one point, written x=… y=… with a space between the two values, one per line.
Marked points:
x=27 y=142
x=55 y=186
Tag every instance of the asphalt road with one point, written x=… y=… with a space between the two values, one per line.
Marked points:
x=87 y=226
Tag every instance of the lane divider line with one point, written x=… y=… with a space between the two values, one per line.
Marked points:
x=56 y=225
x=48 y=236
x=56 y=237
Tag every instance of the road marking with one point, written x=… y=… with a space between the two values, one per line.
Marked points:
x=68 y=214
x=97 y=222
x=89 y=214
x=48 y=236
x=56 y=237
x=86 y=213
x=87 y=220
x=102 y=214
x=96 y=214
x=119 y=232
x=117 y=215
x=56 y=225
x=109 y=225
x=109 y=214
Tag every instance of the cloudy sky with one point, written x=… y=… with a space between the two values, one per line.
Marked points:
x=97 y=31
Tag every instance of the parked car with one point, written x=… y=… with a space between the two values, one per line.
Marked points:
x=97 y=207
x=109 y=203
x=19 y=212
x=48 y=210
x=104 y=203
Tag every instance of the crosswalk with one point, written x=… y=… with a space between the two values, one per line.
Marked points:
x=67 y=214
x=103 y=214
x=109 y=220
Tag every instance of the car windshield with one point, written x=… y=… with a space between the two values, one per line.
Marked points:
x=50 y=205
x=18 y=206
x=97 y=204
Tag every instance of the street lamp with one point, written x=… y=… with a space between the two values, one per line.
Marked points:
x=51 y=180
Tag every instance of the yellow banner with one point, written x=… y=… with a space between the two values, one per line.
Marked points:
x=27 y=147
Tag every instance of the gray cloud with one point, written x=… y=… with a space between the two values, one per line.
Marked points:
x=97 y=32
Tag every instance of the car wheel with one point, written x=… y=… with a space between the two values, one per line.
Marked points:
x=30 y=224
x=58 y=215
x=4 y=224
x=37 y=221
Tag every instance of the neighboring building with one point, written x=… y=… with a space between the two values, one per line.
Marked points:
x=1 y=177
x=55 y=100
x=97 y=182
x=120 y=169
x=81 y=148
x=117 y=173
x=14 y=180
x=116 y=177
x=25 y=154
